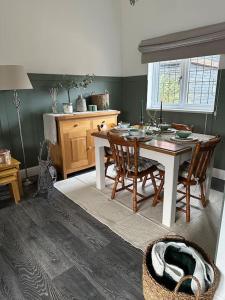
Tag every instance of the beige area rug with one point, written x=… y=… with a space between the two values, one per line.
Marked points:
x=145 y=226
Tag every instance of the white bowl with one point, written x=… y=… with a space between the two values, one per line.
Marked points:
x=123 y=125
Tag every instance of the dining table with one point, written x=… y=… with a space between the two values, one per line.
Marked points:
x=162 y=148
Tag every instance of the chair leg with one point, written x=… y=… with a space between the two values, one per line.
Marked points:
x=157 y=195
x=188 y=208
x=115 y=187
x=123 y=183
x=203 y=200
x=153 y=182
x=144 y=181
x=107 y=163
x=135 y=195
x=15 y=191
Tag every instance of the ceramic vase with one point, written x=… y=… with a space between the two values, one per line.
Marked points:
x=81 y=104
x=68 y=108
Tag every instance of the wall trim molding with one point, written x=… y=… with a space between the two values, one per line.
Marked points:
x=219 y=173
x=33 y=171
x=217 y=297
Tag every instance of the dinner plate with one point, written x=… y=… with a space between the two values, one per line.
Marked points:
x=189 y=139
x=139 y=138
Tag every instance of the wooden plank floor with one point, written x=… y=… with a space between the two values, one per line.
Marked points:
x=53 y=249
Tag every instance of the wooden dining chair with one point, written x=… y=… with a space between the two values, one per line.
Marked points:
x=191 y=173
x=179 y=126
x=108 y=151
x=129 y=164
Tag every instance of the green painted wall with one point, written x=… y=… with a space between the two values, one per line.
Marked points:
x=36 y=102
x=125 y=95
x=135 y=89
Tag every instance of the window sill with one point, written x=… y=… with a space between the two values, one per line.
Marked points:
x=182 y=110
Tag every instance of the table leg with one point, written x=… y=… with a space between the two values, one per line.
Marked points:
x=209 y=178
x=19 y=180
x=100 y=165
x=15 y=191
x=170 y=191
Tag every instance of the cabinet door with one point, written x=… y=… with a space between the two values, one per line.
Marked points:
x=90 y=147
x=75 y=145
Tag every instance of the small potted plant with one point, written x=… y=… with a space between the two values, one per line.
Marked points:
x=81 y=102
x=70 y=84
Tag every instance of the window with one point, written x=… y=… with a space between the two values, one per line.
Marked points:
x=184 y=84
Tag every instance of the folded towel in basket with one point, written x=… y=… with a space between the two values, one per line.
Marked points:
x=176 y=259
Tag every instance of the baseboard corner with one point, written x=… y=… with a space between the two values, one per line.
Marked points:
x=32 y=171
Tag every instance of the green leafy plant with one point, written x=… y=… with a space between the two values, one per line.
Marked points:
x=69 y=84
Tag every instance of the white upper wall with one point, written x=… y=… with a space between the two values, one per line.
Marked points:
x=151 y=18
x=88 y=36
x=62 y=36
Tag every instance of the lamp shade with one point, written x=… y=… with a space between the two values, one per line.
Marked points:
x=14 y=77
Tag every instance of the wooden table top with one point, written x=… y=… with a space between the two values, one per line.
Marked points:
x=14 y=163
x=162 y=144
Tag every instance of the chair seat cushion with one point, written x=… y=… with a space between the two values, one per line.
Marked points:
x=143 y=164
x=183 y=170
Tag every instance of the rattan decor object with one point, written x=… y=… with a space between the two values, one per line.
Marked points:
x=152 y=290
x=101 y=100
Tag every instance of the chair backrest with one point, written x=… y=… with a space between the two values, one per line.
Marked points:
x=182 y=126
x=201 y=158
x=125 y=153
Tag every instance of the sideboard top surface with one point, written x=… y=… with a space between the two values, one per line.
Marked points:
x=88 y=114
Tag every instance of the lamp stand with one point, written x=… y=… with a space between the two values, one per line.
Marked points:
x=17 y=103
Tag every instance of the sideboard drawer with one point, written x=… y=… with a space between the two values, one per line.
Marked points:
x=75 y=126
x=108 y=120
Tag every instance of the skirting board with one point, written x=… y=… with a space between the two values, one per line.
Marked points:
x=217 y=297
x=217 y=173
x=33 y=171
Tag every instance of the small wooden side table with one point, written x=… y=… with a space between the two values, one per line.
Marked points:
x=9 y=173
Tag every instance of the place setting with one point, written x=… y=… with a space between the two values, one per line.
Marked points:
x=183 y=136
x=133 y=132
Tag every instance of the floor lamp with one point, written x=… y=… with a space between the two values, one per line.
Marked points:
x=14 y=78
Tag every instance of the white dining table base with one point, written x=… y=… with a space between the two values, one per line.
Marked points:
x=171 y=164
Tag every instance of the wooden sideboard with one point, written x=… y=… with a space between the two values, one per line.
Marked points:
x=75 y=149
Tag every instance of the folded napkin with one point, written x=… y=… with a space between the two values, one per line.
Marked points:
x=172 y=264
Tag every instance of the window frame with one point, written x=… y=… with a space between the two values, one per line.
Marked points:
x=183 y=106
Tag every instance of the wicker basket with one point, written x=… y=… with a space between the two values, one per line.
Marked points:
x=101 y=100
x=154 y=291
